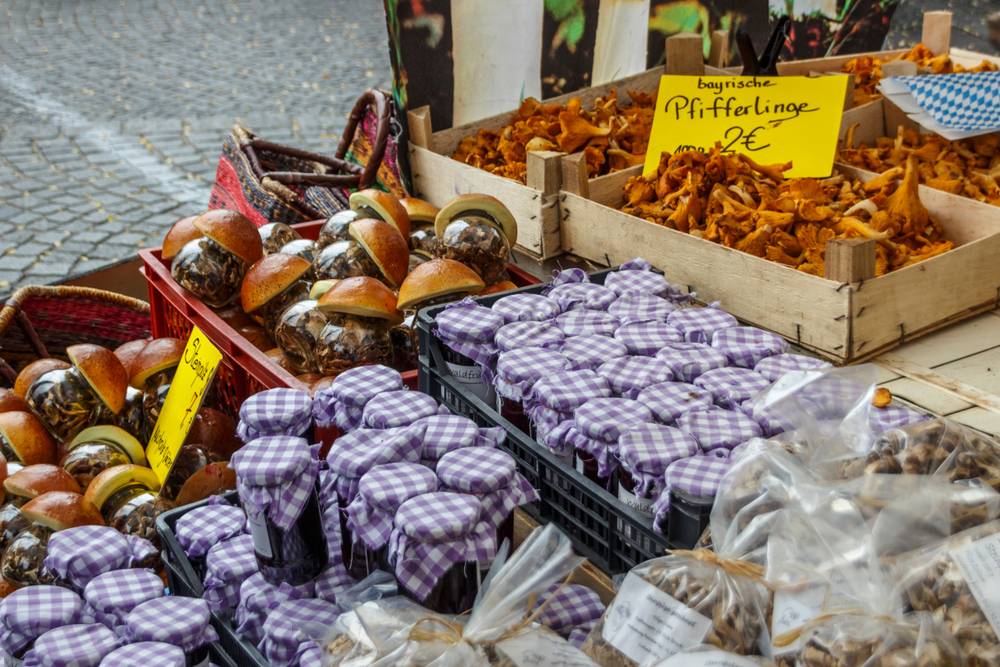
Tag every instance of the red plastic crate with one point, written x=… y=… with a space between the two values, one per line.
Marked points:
x=244 y=370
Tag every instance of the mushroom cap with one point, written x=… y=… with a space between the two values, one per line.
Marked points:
x=233 y=231
x=387 y=207
x=234 y=316
x=11 y=402
x=278 y=358
x=127 y=352
x=28 y=437
x=160 y=354
x=112 y=479
x=103 y=371
x=257 y=336
x=114 y=435
x=209 y=481
x=35 y=370
x=385 y=246
x=502 y=286
x=363 y=296
x=419 y=210
x=60 y=510
x=34 y=480
x=215 y=430
x=269 y=277
x=437 y=278
x=182 y=232
x=492 y=206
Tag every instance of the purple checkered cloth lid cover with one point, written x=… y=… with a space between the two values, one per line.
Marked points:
x=628 y=376
x=587 y=323
x=647 y=450
x=333 y=581
x=569 y=607
x=380 y=493
x=468 y=328
x=669 y=400
x=698 y=476
x=433 y=532
x=579 y=634
x=308 y=654
x=719 y=428
x=293 y=622
x=698 y=325
x=227 y=565
x=202 y=527
x=34 y=610
x=589 y=352
x=145 y=654
x=174 y=620
x=341 y=403
x=447 y=432
x=113 y=595
x=279 y=411
x=257 y=597
x=731 y=386
x=518 y=370
x=569 y=277
x=645 y=339
x=359 y=451
x=81 y=645
x=399 y=408
x=529 y=334
x=746 y=346
x=489 y=474
x=770 y=422
x=582 y=296
x=141 y=549
x=526 y=308
x=639 y=307
x=598 y=425
x=637 y=282
x=637 y=266
x=79 y=554
x=886 y=419
x=275 y=476
x=554 y=398
x=688 y=361
x=774 y=367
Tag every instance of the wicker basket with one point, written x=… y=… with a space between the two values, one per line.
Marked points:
x=41 y=321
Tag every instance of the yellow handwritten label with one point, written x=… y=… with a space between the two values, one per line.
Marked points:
x=187 y=391
x=770 y=119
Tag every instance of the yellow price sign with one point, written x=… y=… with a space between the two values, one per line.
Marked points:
x=192 y=379
x=770 y=119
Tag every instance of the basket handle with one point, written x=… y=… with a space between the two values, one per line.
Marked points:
x=12 y=312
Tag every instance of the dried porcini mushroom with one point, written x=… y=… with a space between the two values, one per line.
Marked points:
x=478 y=231
x=423 y=238
x=360 y=312
x=273 y=284
x=35 y=370
x=297 y=332
x=152 y=371
x=274 y=235
x=212 y=267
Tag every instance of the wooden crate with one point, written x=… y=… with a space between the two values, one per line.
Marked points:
x=438 y=178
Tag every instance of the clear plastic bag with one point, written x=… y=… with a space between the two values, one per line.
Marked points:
x=706 y=655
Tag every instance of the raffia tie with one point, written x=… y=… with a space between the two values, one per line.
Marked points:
x=786 y=638
x=734 y=566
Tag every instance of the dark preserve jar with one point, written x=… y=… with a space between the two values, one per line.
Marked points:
x=517 y=372
x=297 y=555
x=466 y=332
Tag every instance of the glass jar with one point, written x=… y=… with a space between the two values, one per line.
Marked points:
x=404 y=354
x=209 y=271
x=132 y=510
x=87 y=460
x=455 y=592
x=345 y=259
x=272 y=311
x=24 y=560
x=152 y=402
x=65 y=402
x=131 y=418
x=276 y=234
x=513 y=411
x=307 y=249
x=297 y=555
x=359 y=560
x=189 y=460
x=12 y=522
x=476 y=240
x=416 y=259
x=423 y=240
x=348 y=341
x=337 y=228
x=297 y=332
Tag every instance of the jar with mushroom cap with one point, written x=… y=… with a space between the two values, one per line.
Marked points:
x=273 y=284
x=189 y=460
x=33 y=371
x=478 y=231
x=131 y=419
x=375 y=250
x=378 y=205
x=180 y=234
x=98 y=448
x=212 y=267
x=423 y=237
x=69 y=400
x=307 y=249
x=12 y=522
x=437 y=282
x=151 y=372
x=337 y=228
x=360 y=312
x=24 y=441
x=297 y=333
x=274 y=235
x=32 y=481
x=128 y=499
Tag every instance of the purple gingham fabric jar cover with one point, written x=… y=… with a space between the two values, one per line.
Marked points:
x=308 y=654
x=572 y=606
x=698 y=325
x=141 y=549
x=647 y=450
x=202 y=527
x=333 y=581
x=34 y=610
x=628 y=376
x=518 y=370
x=359 y=451
x=579 y=634
x=227 y=565
x=81 y=645
x=280 y=411
x=113 y=595
x=587 y=323
x=448 y=432
x=688 y=361
x=258 y=597
x=886 y=419
x=529 y=334
x=341 y=403
x=731 y=386
x=526 y=308
x=669 y=400
x=771 y=423
x=489 y=474
x=145 y=654
x=598 y=425
x=79 y=554
x=638 y=307
x=553 y=399
x=12 y=642
x=714 y=429
x=399 y=408
x=569 y=277
x=293 y=622
x=774 y=367
x=380 y=493
x=467 y=328
x=698 y=476
x=642 y=281
x=746 y=346
x=582 y=296
x=178 y=621
x=433 y=532
x=276 y=475
x=644 y=339
x=589 y=352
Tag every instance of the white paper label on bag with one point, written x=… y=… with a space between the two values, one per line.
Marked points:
x=648 y=625
x=709 y=659
x=535 y=649
x=980 y=565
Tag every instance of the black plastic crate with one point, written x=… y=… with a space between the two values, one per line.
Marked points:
x=612 y=535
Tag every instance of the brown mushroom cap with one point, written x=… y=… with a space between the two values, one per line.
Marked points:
x=279 y=359
x=385 y=246
x=437 y=278
x=33 y=371
x=502 y=286
x=257 y=336
x=116 y=477
x=491 y=206
x=60 y=510
x=34 y=480
x=419 y=210
x=159 y=355
x=215 y=430
x=269 y=277
x=233 y=231
x=11 y=402
x=28 y=437
x=7 y=587
x=127 y=352
x=387 y=207
x=182 y=232
x=209 y=481
x=103 y=371
x=361 y=296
